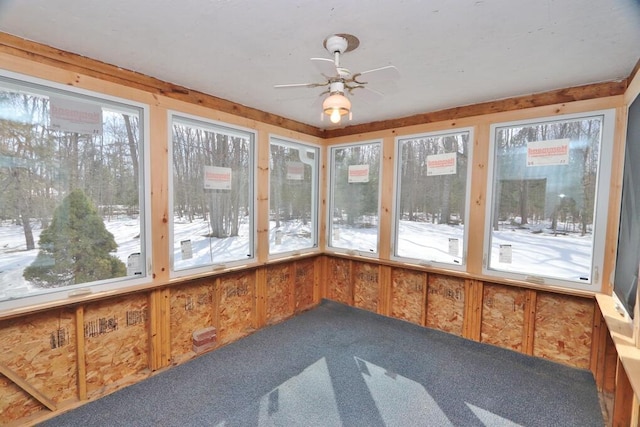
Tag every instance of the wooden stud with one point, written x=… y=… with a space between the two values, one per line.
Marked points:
x=635 y=412
x=386 y=198
x=478 y=197
x=610 y=363
x=260 y=318
x=320 y=279
x=80 y=354
x=425 y=310
x=597 y=344
x=623 y=399
x=384 y=300
x=529 y=323
x=601 y=350
x=352 y=288
x=160 y=214
x=217 y=296
x=262 y=200
x=159 y=328
x=472 y=321
x=425 y=288
x=291 y=285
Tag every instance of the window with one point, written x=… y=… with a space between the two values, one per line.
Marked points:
x=547 y=218
x=212 y=203
x=293 y=195
x=355 y=189
x=72 y=206
x=431 y=196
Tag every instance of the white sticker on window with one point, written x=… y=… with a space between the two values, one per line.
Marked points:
x=454 y=247
x=505 y=254
x=186 y=250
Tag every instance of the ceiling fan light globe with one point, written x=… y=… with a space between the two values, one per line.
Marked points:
x=335 y=116
x=336 y=106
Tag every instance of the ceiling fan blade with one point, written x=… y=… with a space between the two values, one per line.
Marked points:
x=366 y=94
x=390 y=72
x=300 y=85
x=326 y=66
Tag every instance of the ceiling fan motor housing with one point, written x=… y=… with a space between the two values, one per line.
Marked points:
x=341 y=43
x=336 y=44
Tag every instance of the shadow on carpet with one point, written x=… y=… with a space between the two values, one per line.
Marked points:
x=336 y=365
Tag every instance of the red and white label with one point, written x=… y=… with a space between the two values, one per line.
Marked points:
x=358 y=173
x=217 y=178
x=442 y=164
x=548 y=153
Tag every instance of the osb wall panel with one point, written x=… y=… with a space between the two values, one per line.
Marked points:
x=339 y=278
x=445 y=303
x=192 y=308
x=279 y=292
x=116 y=340
x=236 y=306
x=40 y=348
x=563 y=329
x=408 y=295
x=366 y=286
x=304 y=283
x=15 y=403
x=503 y=316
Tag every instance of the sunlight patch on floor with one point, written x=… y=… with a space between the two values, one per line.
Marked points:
x=395 y=396
x=306 y=399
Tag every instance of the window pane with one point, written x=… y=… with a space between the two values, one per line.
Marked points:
x=293 y=188
x=431 y=201
x=544 y=198
x=71 y=207
x=212 y=194
x=355 y=187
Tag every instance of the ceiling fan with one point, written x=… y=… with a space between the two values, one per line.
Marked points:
x=340 y=80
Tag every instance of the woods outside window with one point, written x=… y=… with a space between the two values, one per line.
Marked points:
x=212 y=186
x=72 y=205
x=546 y=218
x=431 y=197
x=293 y=195
x=355 y=197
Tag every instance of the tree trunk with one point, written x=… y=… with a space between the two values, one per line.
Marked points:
x=133 y=148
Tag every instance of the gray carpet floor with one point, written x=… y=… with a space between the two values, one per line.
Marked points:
x=340 y=366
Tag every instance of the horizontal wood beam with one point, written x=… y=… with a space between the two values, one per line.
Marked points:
x=578 y=93
x=51 y=56
x=48 y=55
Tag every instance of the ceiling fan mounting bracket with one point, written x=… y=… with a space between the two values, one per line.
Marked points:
x=340 y=43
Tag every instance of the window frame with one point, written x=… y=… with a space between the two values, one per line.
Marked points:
x=331 y=198
x=397 y=190
x=601 y=200
x=66 y=295
x=315 y=196
x=229 y=129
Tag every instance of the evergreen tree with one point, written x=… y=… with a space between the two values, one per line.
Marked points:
x=75 y=248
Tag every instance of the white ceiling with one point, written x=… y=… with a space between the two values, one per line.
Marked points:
x=449 y=52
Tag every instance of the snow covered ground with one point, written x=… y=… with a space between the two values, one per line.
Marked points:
x=566 y=256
